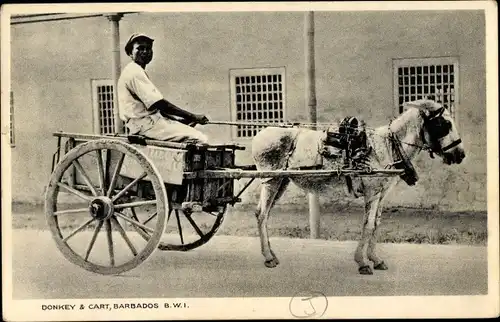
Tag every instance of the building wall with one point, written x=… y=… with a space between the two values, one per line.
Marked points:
x=193 y=55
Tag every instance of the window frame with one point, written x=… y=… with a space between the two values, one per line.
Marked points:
x=95 y=83
x=428 y=61
x=254 y=71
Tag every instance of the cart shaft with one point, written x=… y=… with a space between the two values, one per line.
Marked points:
x=237 y=173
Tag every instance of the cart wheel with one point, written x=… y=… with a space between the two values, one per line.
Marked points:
x=194 y=229
x=76 y=217
x=188 y=231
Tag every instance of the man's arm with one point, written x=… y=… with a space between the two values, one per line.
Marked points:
x=151 y=97
x=168 y=109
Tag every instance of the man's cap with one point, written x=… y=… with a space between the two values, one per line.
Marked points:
x=134 y=37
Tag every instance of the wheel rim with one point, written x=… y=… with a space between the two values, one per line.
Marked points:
x=82 y=233
x=185 y=232
x=192 y=230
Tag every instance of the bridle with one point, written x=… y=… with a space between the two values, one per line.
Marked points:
x=437 y=127
x=432 y=123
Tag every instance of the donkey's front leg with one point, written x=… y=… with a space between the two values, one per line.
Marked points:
x=378 y=263
x=369 y=219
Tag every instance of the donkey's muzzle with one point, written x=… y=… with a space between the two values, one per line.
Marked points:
x=455 y=156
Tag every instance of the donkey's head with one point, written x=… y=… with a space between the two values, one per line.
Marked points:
x=439 y=131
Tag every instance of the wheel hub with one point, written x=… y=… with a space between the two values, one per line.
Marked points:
x=101 y=208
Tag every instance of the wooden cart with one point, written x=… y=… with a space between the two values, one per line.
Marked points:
x=121 y=195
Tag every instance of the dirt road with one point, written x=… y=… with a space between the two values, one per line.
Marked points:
x=233 y=267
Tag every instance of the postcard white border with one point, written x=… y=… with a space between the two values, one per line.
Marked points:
x=277 y=308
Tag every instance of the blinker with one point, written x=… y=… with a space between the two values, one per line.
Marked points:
x=438 y=127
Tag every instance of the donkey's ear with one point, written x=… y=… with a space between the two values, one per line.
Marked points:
x=424 y=104
x=433 y=105
x=420 y=104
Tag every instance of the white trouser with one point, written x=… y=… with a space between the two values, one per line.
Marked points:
x=156 y=127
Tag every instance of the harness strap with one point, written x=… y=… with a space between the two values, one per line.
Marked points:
x=401 y=161
x=293 y=145
x=452 y=145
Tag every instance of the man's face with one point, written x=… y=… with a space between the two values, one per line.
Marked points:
x=142 y=52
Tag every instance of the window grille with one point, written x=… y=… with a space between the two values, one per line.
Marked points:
x=257 y=95
x=434 y=78
x=11 y=121
x=104 y=120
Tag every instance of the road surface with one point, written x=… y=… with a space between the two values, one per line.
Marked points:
x=233 y=267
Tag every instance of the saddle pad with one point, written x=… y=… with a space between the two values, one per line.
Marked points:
x=306 y=151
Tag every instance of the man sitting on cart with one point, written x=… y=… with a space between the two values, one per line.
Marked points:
x=144 y=109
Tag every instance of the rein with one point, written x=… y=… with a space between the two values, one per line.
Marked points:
x=426 y=147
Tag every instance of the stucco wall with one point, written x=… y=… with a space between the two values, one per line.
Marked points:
x=53 y=64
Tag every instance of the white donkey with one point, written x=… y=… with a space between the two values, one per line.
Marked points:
x=425 y=125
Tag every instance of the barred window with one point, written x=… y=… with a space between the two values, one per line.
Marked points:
x=103 y=104
x=435 y=78
x=257 y=95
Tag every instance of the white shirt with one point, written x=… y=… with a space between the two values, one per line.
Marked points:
x=136 y=93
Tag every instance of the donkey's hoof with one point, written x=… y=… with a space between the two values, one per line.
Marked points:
x=381 y=266
x=275 y=258
x=271 y=263
x=365 y=270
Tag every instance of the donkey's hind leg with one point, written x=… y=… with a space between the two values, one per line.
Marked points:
x=281 y=190
x=271 y=191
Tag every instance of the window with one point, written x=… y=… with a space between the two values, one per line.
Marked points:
x=435 y=78
x=257 y=95
x=11 y=121
x=102 y=93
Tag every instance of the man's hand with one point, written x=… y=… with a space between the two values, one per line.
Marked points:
x=201 y=119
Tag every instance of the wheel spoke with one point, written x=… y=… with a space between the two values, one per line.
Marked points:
x=179 y=225
x=70 y=211
x=137 y=229
x=150 y=218
x=124 y=235
x=94 y=237
x=110 y=242
x=100 y=168
x=141 y=232
x=115 y=175
x=74 y=191
x=133 y=222
x=130 y=185
x=74 y=232
x=135 y=204
x=195 y=226
x=86 y=178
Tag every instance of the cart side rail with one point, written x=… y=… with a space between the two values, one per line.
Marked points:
x=144 y=141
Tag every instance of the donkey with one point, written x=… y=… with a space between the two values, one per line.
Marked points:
x=425 y=125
